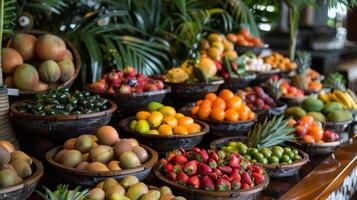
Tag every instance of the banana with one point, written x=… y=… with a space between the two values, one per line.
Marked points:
x=333 y=97
x=352 y=95
x=343 y=99
x=350 y=99
x=324 y=97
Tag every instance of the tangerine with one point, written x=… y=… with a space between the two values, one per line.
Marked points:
x=307 y=120
x=180 y=130
x=142 y=115
x=219 y=103
x=217 y=114
x=226 y=94
x=206 y=103
x=171 y=121
x=165 y=129
x=168 y=111
x=195 y=110
x=235 y=102
x=185 y=121
x=315 y=132
x=243 y=116
x=308 y=139
x=193 y=128
x=251 y=115
x=231 y=115
x=179 y=115
x=204 y=112
x=198 y=102
x=211 y=96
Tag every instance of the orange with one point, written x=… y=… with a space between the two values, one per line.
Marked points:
x=180 y=130
x=179 y=115
x=168 y=111
x=195 y=110
x=308 y=139
x=231 y=115
x=235 y=102
x=243 y=116
x=142 y=115
x=211 y=96
x=165 y=129
x=199 y=102
x=226 y=94
x=185 y=121
x=171 y=121
x=251 y=115
x=193 y=128
x=204 y=112
x=219 y=103
x=206 y=103
x=217 y=114
x=306 y=120
x=315 y=132
x=291 y=122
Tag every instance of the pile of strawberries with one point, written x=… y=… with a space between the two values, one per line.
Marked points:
x=210 y=170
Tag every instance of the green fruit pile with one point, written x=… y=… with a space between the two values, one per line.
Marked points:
x=267 y=155
x=63 y=102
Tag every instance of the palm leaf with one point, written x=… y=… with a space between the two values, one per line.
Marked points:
x=46 y=6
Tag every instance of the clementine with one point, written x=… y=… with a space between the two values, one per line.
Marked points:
x=226 y=94
x=204 y=112
x=211 y=96
x=235 y=102
x=185 y=121
x=142 y=115
x=171 y=121
x=193 y=128
x=217 y=114
x=180 y=130
x=195 y=110
x=165 y=129
x=231 y=115
x=219 y=103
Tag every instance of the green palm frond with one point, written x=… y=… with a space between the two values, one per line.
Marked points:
x=335 y=3
x=8 y=9
x=63 y=193
x=46 y=6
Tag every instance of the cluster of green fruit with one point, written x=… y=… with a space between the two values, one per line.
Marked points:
x=268 y=155
x=63 y=102
x=329 y=112
x=129 y=189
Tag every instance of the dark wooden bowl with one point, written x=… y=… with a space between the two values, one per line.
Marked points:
x=129 y=104
x=58 y=127
x=274 y=170
x=264 y=76
x=317 y=148
x=337 y=127
x=276 y=111
x=198 y=194
x=310 y=92
x=91 y=178
x=292 y=101
x=257 y=50
x=190 y=92
x=284 y=73
x=27 y=186
x=234 y=84
x=166 y=143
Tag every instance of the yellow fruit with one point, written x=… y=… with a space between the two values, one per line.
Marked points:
x=180 y=130
x=324 y=97
x=153 y=132
x=176 y=75
x=207 y=66
x=171 y=121
x=155 y=119
x=142 y=115
x=179 y=115
x=165 y=129
x=188 y=68
x=168 y=111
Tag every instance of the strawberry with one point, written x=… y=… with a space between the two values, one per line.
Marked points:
x=194 y=182
x=207 y=183
x=195 y=149
x=214 y=176
x=218 y=172
x=258 y=178
x=234 y=162
x=258 y=169
x=223 y=184
x=182 y=178
x=162 y=162
x=203 y=169
x=235 y=174
x=246 y=178
x=191 y=167
x=177 y=168
x=225 y=169
x=213 y=155
x=171 y=175
x=180 y=159
x=173 y=154
x=235 y=183
x=212 y=163
x=218 y=65
x=245 y=186
x=167 y=168
x=202 y=156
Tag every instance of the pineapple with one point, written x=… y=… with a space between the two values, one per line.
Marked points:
x=63 y=193
x=273 y=88
x=301 y=80
x=335 y=81
x=269 y=133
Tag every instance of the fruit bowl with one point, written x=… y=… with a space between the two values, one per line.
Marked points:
x=263 y=76
x=91 y=178
x=190 y=92
x=59 y=127
x=292 y=101
x=199 y=194
x=26 y=187
x=274 y=170
x=338 y=127
x=129 y=104
x=238 y=83
x=166 y=143
x=317 y=148
x=279 y=109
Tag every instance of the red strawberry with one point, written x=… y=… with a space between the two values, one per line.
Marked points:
x=167 y=168
x=213 y=176
x=173 y=154
x=177 y=168
x=218 y=172
x=203 y=169
x=234 y=162
x=225 y=169
x=235 y=174
x=214 y=156
x=182 y=178
x=162 y=162
x=207 y=183
x=171 y=175
x=194 y=182
x=235 y=183
x=258 y=178
x=258 y=169
x=245 y=186
x=246 y=178
x=191 y=167
x=223 y=184
x=212 y=163
x=202 y=156
x=195 y=149
x=180 y=159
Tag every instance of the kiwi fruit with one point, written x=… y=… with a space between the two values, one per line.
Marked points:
x=71 y=158
x=83 y=143
x=4 y=156
x=7 y=178
x=19 y=155
x=101 y=153
x=129 y=160
x=22 y=168
x=141 y=153
x=122 y=146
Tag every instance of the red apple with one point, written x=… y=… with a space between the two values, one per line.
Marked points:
x=98 y=86
x=125 y=89
x=150 y=87
x=129 y=71
x=160 y=85
x=112 y=77
x=300 y=130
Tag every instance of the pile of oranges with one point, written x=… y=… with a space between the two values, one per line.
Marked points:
x=244 y=38
x=308 y=130
x=225 y=107
x=276 y=60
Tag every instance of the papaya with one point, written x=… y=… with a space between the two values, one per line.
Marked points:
x=311 y=104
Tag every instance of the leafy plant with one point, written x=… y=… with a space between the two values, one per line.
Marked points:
x=63 y=193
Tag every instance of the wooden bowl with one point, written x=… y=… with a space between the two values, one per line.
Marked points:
x=58 y=127
x=264 y=76
x=274 y=170
x=166 y=143
x=91 y=178
x=337 y=127
x=234 y=84
x=276 y=111
x=27 y=186
x=198 y=194
x=190 y=92
x=292 y=101
x=317 y=148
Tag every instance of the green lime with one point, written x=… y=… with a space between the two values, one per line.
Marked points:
x=297 y=157
x=287 y=149
x=253 y=161
x=258 y=156
x=285 y=158
x=132 y=125
x=278 y=148
x=266 y=152
x=252 y=151
x=277 y=153
x=233 y=144
x=273 y=159
x=242 y=150
x=263 y=160
x=290 y=161
x=296 y=152
x=247 y=157
x=154 y=106
x=290 y=154
x=230 y=149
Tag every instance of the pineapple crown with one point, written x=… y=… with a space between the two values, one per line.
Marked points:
x=335 y=81
x=273 y=87
x=303 y=62
x=270 y=132
x=63 y=193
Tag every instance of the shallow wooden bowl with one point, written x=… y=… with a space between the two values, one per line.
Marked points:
x=190 y=92
x=337 y=127
x=317 y=148
x=292 y=101
x=166 y=143
x=274 y=170
x=91 y=178
x=234 y=84
x=27 y=186
x=276 y=111
x=198 y=194
x=129 y=104
x=58 y=127
x=264 y=76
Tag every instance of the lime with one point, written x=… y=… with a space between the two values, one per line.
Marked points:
x=290 y=154
x=296 y=152
x=233 y=144
x=253 y=161
x=242 y=150
x=285 y=158
x=290 y=161
x=266 y=152
x=287 y=149
x=252 y=151
x=278 y=148
x=297 y=157
x=132 y=125
x=277 y=153
x=247 y=157
x=263 y=160
x=273 y=159
x=142 y=126
x=230 y=149
x=154 y=106
x=258 y=156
